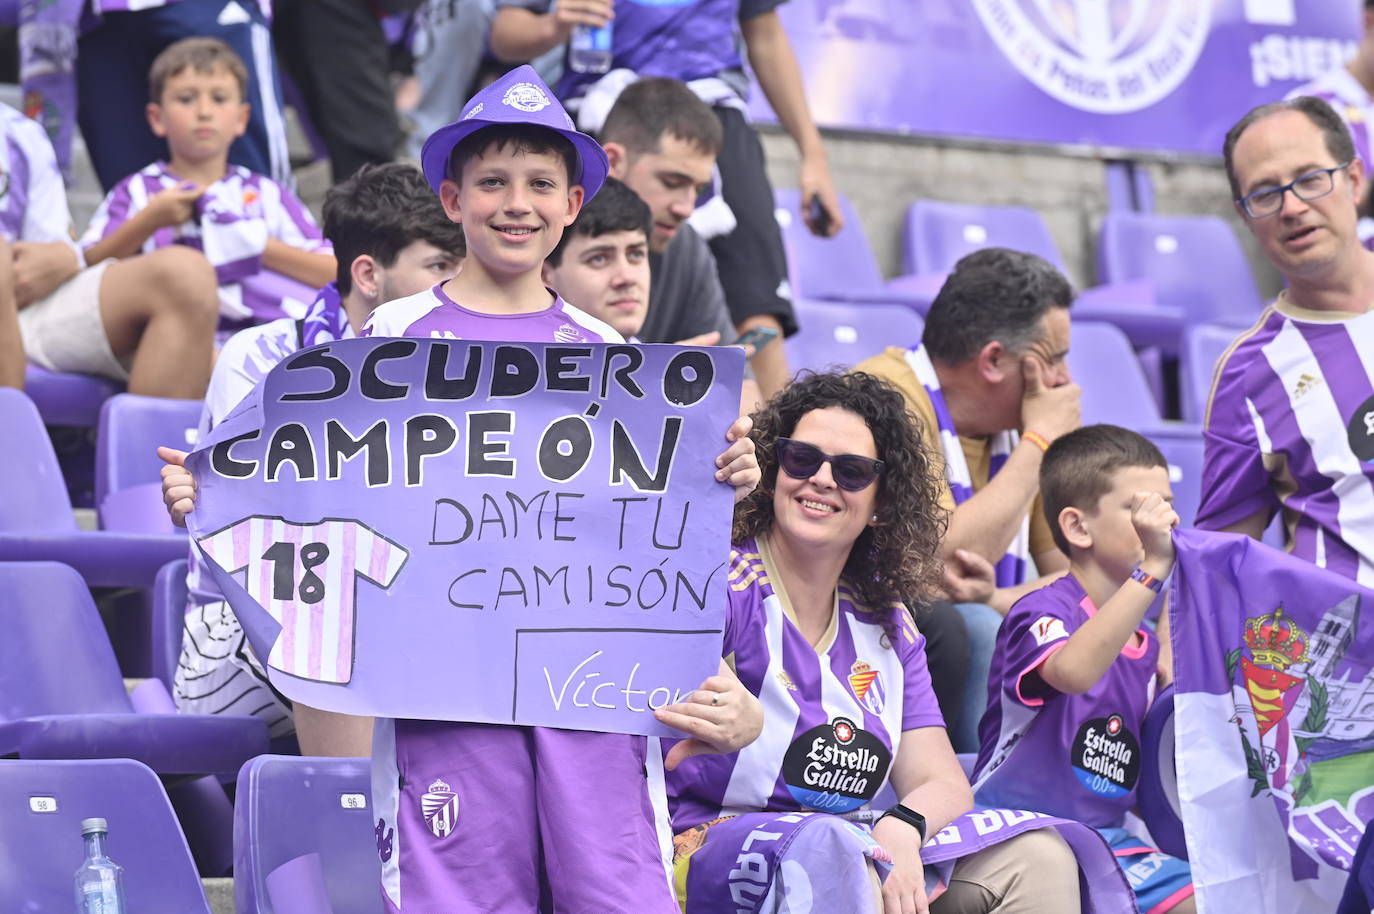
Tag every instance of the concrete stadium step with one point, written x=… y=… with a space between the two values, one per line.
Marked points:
x=220 y=893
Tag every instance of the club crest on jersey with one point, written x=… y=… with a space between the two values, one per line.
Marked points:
x=868 y=686
x=440 y=808
x=567 y=334
x=526 y=97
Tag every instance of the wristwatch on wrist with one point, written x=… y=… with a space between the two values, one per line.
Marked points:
x=909 y=816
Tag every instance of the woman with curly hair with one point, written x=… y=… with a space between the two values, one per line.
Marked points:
x=842 y=531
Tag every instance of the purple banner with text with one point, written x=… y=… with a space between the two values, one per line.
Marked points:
x=1166 y=75
x=477 y=531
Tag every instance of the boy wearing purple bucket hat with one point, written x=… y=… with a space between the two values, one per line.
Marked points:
x=479 y=817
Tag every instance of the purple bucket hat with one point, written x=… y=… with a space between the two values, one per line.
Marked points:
x=519 y=97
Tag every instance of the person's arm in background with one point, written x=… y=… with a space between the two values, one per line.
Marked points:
x=521 y=33
x=308 y=267
x=12 y=359
x=115 y=232
x=775 y=66
x=44 y=255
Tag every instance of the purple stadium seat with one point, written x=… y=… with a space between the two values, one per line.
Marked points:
x=61 y=694
x=1203 y=344
x=169 y=618
x=1184 y=454
x=842 y=333
x=1196 y=264
x=128 y=490
x=939 y=233
x=68 y=399
x=1160 y=808
x=290 y=808
x=44 y=803
x=36 y=520
x=841 y=268
x=1115 y=389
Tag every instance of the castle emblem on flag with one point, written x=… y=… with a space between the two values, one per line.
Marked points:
x=868 y=686
x=440 y=808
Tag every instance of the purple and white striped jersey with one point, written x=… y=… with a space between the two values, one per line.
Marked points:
x=33 y=199
x=1290 y=425
x=232 y=223
x=834 y=713
x=433 y=314
x=304 y=575
x=1073 y=756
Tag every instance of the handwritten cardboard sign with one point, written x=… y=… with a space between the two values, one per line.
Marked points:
x=479 y=531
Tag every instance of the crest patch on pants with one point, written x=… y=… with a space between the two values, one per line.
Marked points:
x=440 y=807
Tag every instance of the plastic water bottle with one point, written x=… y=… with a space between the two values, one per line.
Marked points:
x=590 y=49
x=100 y=881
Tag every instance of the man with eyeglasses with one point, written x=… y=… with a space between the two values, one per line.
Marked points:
x=1290 y=421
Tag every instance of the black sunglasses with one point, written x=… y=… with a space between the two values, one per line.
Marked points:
x=852 y=472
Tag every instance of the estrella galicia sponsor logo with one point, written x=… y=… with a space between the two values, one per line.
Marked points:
x=1106 y=757
x=835 y=767
x=440 y=807
x=1361 y=431
x=1108 y=58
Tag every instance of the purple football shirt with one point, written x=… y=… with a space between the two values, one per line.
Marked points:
x=1290 y=424
x=433 y=314
x=1073 y=756
x=834 y=714
x=679 y=39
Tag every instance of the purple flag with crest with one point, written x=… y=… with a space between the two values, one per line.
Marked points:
x=497 y=532
x=1273 y=723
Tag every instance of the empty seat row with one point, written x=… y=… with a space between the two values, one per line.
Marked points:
x=303 y=836
x=1159 y=274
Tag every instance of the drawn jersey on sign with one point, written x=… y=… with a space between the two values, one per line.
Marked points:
x=304 y=575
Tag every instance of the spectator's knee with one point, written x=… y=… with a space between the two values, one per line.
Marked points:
x=182 y=280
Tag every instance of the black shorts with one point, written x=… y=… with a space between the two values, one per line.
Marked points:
x=751 y=262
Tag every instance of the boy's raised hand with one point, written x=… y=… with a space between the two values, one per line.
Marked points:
x=739 y=465
x=178 y=485
x=1154 y=519
x=174 y=205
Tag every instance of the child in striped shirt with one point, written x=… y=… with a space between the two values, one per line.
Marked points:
x=267 y=251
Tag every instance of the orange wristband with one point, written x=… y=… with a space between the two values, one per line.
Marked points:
x=1036 y=439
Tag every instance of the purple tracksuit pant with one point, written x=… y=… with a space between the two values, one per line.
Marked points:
x=480 y=817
